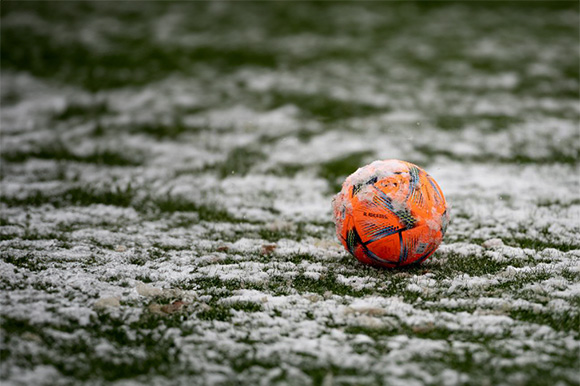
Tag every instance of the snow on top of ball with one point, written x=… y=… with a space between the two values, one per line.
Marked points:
x=379 y=169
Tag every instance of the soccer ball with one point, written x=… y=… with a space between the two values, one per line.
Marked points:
x=390 y=213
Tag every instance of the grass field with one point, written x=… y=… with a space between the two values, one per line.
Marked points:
x=167 y=175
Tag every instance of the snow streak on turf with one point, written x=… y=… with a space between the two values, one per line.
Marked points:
x=167 y=173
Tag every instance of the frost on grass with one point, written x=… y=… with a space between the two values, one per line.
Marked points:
x=166 y=193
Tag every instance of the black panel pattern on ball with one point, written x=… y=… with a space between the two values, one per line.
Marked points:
x=415 y=193
x=404 y=215
x=376 y=258
x=432 y=247
x=407 y=244
x=354 y=241
x=357 y=188
x=438 y=196
x=376 y=231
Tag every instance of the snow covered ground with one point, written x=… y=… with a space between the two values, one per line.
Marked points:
x=167 y=172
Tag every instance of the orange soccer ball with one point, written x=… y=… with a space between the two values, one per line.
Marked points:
x=390 y=213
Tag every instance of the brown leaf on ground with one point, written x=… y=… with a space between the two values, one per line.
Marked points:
x=173 y=307
x=268 y=248
x=424 y=328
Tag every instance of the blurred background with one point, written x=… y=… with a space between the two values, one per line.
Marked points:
x=468 y=81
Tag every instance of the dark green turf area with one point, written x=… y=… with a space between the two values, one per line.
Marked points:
x=134 y=57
